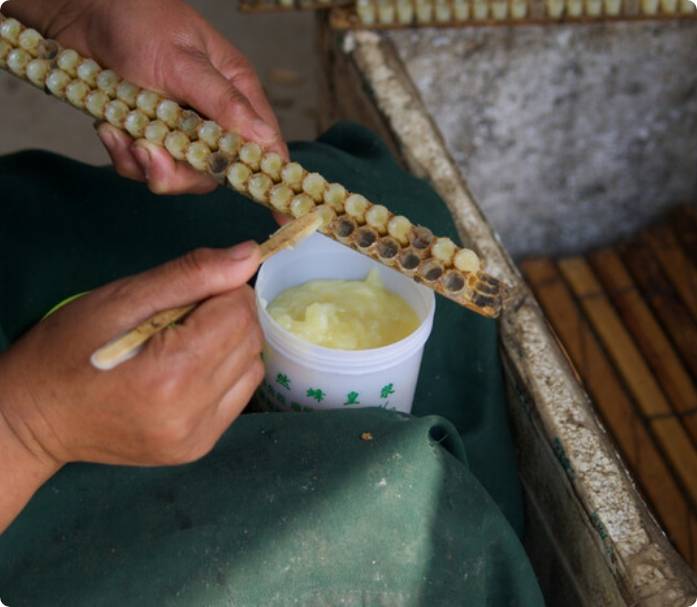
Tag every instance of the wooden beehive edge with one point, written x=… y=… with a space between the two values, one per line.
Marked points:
x=251 y=7
x=346 y=18
x=642 y=565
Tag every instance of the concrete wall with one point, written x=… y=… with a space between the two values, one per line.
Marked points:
x=569 y=136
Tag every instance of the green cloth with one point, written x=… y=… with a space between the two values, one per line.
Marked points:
x=290 y=508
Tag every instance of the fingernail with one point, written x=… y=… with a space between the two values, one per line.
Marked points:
x=263 y=132
x=243 y=251
x=142 y=156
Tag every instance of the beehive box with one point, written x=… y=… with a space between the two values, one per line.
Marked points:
x=591 y=537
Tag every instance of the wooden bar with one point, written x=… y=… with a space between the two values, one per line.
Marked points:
x=693 y=543
x=675 y=263
x=648 y=334
x=346 y=18
x=683 y=221
x=670 y=434
x=615 y=406
x=663 y=299
x=251 y=7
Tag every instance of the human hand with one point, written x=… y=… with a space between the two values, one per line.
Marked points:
x=164 y=45
x=169 y=404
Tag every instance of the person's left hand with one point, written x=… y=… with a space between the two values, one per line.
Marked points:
x=164 y=45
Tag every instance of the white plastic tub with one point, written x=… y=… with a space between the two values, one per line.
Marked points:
x=301 y=376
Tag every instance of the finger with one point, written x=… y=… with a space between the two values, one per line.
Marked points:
x=225 y=368
x=165 y=175
x=237 y=70
x=195 y=277
x=237 y=350
x=213 y=348
x=237 y=398
x=219 y=99
x=224 y=332
x=117 y=144
x=280 y=218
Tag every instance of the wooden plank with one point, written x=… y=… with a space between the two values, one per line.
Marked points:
x=675 y=263
x=343 y=96
x=583 y=350
x=642 y=571
x=663 y=299
x=615 y=406
x=683 y=221
x=343 y=18
x=670 y=434
x=693 y=543
x=273 y=6
x=648 y=334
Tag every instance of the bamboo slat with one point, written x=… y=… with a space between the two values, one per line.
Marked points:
x=675 y=263
x=648 y=334
x=683 y=222
x=693 y=542
x=614 y=404
x=671 y=435
x=663 y=299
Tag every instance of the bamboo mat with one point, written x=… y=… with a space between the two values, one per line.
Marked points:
x=627 y=318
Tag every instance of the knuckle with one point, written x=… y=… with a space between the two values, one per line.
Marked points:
x=196 y=264
x=164 y=387
x=121 y=169
x=188 y=57
x=159 y=187
x=232 y=105
x=245 y=311
x=171 y=434
x=237 y=65
x=123 y=289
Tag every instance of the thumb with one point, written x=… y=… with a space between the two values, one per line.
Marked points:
x=196 y=276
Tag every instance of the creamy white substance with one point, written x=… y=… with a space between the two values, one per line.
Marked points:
x=345 y=314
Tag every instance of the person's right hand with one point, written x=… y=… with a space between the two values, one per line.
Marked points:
x=169 y=404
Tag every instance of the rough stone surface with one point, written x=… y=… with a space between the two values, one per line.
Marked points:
x=569 y=136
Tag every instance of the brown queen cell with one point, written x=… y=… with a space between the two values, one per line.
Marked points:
x=349 y=217
x=408 y=261
x=421 y=238
x=453 y=282
x=387 y=250
x=430 y=271
x=365 y=239
x=342 y=228
x=218 y=164
x=189 y=122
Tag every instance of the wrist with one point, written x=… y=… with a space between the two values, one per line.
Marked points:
x=25 y=465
